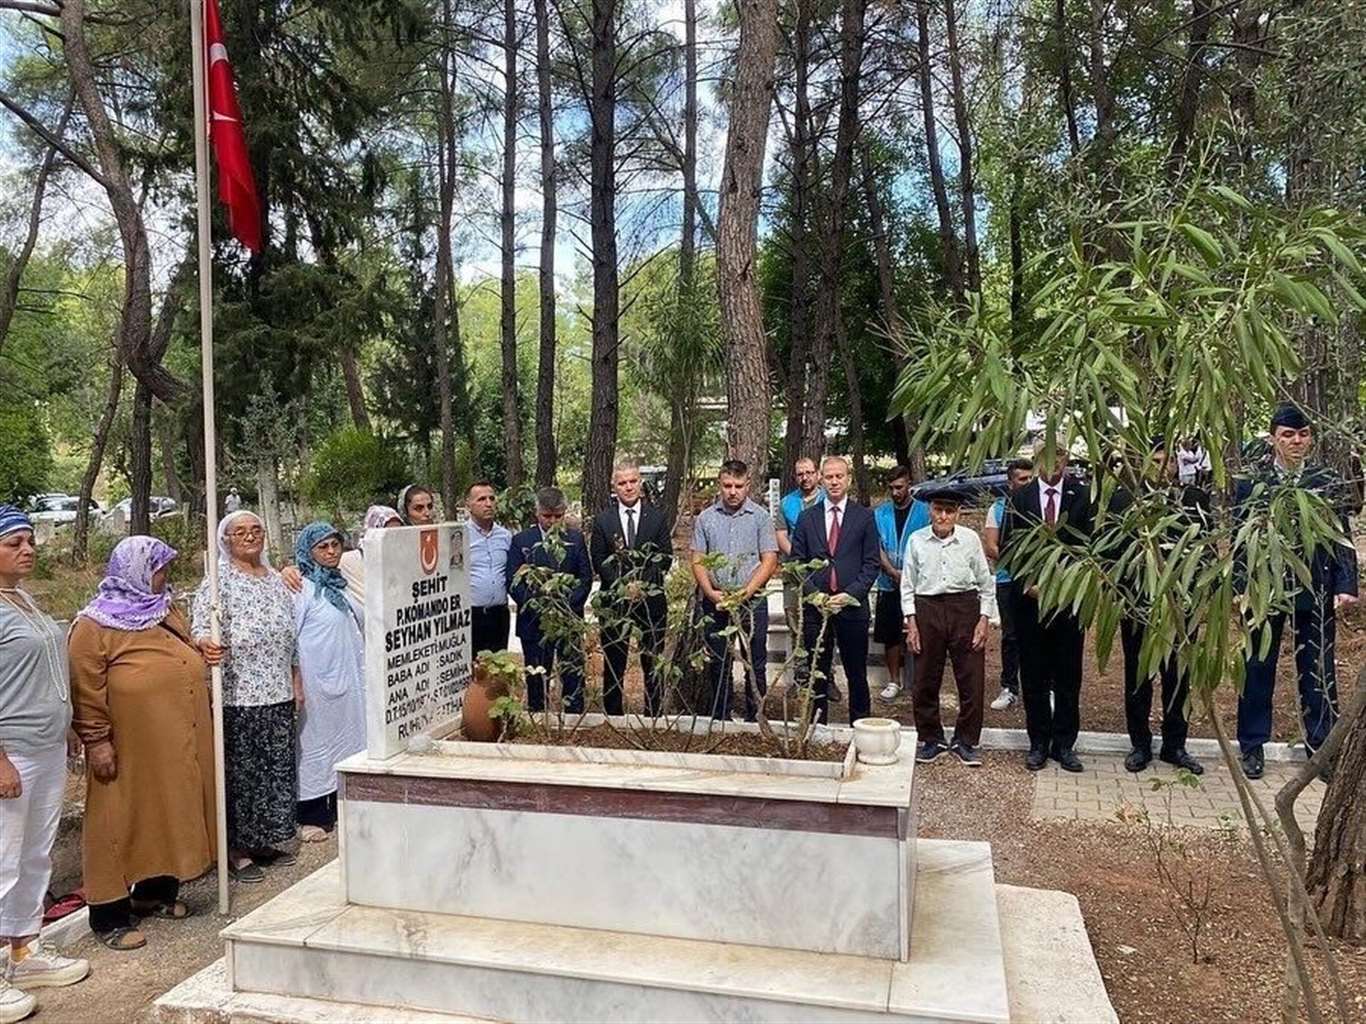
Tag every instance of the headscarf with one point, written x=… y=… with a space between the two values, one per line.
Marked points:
x=330 y=582
x=225 y=548
x=125 y=599
x=377 y=518
x=12 y=520
x=403 y=500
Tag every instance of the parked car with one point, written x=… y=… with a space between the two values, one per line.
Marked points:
x=160 y=507
x=988 y=482
x=61 y=509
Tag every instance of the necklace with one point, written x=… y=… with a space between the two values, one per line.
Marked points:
x=37 y=623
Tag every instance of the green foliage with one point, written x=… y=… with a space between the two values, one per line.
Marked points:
x=1175 y=321
x=353 y=468
x=25 y=454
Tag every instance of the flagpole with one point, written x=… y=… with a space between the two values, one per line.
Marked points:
x=203 y=212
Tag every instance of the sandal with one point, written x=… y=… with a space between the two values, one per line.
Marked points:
x=248 y=873
x=122 y=939
x=313 y=834
x=174 y=911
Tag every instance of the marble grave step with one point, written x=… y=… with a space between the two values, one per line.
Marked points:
x=306 y=943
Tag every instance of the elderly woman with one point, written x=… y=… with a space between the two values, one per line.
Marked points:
x=35 y=710
x=332 y=664
x=261 y=695
x=141 y=707
x=352 y=565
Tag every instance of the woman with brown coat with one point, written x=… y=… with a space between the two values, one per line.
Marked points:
x=141 y=707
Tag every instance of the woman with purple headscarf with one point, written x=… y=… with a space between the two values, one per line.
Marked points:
x=141 y=707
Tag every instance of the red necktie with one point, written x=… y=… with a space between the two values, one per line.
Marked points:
x=832 y=542
x=1050 y=510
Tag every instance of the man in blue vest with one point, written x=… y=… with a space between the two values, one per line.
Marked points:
x=896 y=520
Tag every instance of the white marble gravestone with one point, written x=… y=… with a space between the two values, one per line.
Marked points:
x=417 y=634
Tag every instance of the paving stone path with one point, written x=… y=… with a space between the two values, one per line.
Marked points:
x=1106 y=792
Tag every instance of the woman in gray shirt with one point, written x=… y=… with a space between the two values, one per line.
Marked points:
x=35 y=713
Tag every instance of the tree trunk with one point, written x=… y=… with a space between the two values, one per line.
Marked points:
x=140 y=461
x=268 y=500
x=1016 y=254
x=682 y=408
x=891 y=311
x=443 y=299
x=747 y=387
x=512 y=416
x=166 y=432
x=948 y=236
x=135 y=324
x=355 y=393
x=1189 y=99
x=9 y=293
x=1103 y=96
x=546 y=455
x=80 y=530
x=604 y=407
x=965 y=179
x=799 y=322
x=1064 y=59
x=832 y=232
x=1336 y=879
x=863 y=483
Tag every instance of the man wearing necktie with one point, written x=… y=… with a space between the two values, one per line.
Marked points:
x=631 y=554
x=550 y=545
x=843 y=534
x=1050 y=646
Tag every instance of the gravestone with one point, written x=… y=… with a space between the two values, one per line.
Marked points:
x=417 y=634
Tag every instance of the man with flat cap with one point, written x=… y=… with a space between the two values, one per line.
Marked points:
x=1333 y=584
x=948 y=594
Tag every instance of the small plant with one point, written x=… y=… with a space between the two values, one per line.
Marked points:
x=1188 y=878
x=510 y=713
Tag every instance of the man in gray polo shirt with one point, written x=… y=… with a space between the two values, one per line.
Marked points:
x=742 y=532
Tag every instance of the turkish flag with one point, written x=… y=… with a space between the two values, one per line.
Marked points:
x=236 y=185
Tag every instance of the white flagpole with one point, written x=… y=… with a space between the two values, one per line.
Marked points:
x=201 y=176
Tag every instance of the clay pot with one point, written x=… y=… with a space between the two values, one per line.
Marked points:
x=483 y=690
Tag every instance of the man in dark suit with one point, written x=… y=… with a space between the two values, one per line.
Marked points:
x=1050 y=646
x=631 y=552
x=843 y=534
x=549 y=545
x=1161 y=491
x=1333 y=584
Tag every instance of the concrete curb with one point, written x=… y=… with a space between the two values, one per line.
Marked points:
x=1117 y=744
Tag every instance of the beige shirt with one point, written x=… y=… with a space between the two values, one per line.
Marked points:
x=955 y=564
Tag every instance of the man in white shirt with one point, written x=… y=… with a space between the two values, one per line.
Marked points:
x=948 y=594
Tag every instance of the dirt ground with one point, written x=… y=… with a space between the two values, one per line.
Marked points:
x=1142 y=952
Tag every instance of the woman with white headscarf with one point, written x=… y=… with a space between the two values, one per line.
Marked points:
x=352 y=565
x=262 y=693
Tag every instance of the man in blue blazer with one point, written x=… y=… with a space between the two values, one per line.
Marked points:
x=539 y=546
x=843 y=535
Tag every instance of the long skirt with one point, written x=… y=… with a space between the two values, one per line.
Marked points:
x=259 y=752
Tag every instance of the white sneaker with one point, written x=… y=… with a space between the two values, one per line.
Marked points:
x=41 y=966
x=890 y=691
x=14 y=1005
x=1003 y=701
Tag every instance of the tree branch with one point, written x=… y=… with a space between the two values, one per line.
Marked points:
x=41 y=130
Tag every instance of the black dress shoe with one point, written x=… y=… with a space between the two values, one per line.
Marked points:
x=1181 y=759
x=1254 y=765
x=1036 y=759
x=1138 y=759
x=1068 y=760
